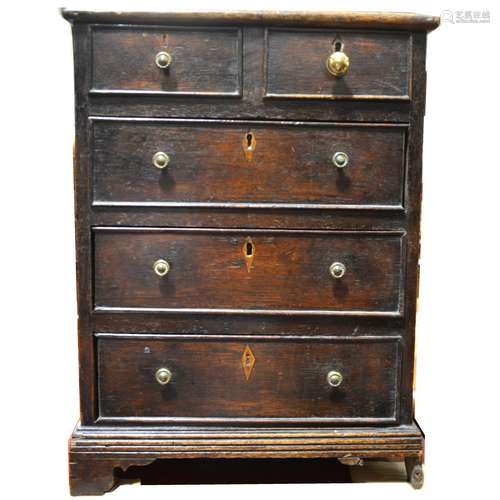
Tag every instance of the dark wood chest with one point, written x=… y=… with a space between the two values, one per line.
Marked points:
x=248 y=192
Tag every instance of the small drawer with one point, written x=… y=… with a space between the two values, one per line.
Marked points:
x=167 y=61
x=367 y=66
x=173 y=379
x=191 y=163
x=232 y=271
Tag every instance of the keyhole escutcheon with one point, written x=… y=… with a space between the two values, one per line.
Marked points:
x=249 y=145
x=249 y=252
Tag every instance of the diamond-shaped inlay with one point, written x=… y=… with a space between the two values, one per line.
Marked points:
x=247 y=361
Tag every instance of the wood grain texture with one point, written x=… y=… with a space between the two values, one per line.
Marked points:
x=97 y=451
x=340 y=19
x=213 y=304
x=205 y=61
x=296 y=325
x=290 y=165
x=413 y=197
x=288 y=380
x=251 y=104
x=89 y=475
x=249 y=217
x=82 y=195
x=379 y=65
x=126 y=441
x=290 y=271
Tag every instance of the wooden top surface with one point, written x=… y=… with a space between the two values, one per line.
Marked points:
x=346 y=19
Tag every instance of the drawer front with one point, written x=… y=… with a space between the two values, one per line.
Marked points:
x=379 y=65
x=247 y=380
x=248 y=164
x=251 y=272
x=204 y=61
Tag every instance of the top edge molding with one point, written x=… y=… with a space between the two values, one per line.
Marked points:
x=326 y=19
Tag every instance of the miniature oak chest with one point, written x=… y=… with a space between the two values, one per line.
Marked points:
x=247 y=194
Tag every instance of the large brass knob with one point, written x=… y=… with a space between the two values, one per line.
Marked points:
x=337 y=270
x=334 y=378
x=163 y=376
x=163 y=60
x=161 y=160
x=161 y=267
x=337 y=63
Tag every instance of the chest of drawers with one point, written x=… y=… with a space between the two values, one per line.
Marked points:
x=247 y=192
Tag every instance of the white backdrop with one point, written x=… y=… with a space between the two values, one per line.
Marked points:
x=457 y=334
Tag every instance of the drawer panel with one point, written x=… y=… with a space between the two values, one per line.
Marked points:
x=204 y=61
x=248 y=164
x=247 y=380
x=379 y=65
x=248 y=272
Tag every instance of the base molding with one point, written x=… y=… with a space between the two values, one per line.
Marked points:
x=96 y=451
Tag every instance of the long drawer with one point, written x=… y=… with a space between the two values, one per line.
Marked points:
x=173 y=378
x=186 y=163
x=248 y=272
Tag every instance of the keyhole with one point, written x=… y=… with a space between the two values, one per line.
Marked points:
x=249 y=252
x=248 y=360
x=337 y=46
x=249 y=249
x=249 y=143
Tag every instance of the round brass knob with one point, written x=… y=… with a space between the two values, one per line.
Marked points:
x=337 y=270
x=163 y=60
x=340 y=159
x=337 y=63
x=161 y=267
x=161 y=160
x=163 y=376
x=334 y=378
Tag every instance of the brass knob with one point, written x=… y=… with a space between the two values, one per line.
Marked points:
x=161 y=267
x=161 y=160
x=163 y=376
x=337 y=63
x=340 y=159
x=163 y=60
x=334 y=378
x=337 y=270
